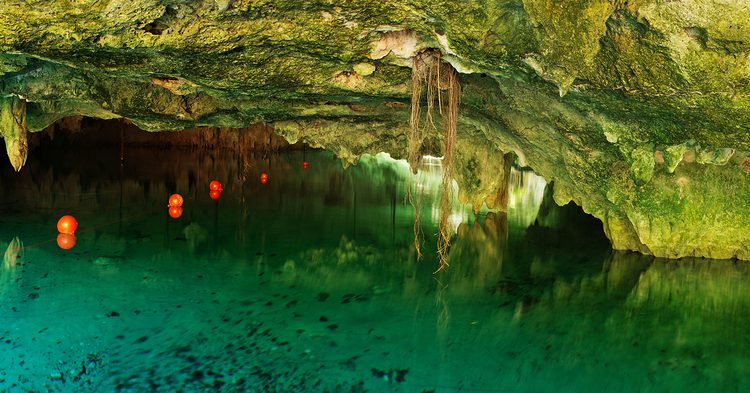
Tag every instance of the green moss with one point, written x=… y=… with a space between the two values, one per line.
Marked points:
x=642 y=164
x=13 y=130
x=11 y=63
x=715 y=156
x=673 y=156
x=696 y=196
x=568 y=34
x=636 y=76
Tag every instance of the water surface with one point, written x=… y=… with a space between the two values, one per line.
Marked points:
x=310 y=283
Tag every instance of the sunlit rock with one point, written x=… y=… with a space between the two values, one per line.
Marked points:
x=364 y=69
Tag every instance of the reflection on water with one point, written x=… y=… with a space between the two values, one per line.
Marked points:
x=524 y=197
x=12 y=253
x=309 y=283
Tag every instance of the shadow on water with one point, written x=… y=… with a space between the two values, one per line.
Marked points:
x=309 y=282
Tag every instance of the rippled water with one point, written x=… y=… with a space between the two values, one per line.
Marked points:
x=309 y=283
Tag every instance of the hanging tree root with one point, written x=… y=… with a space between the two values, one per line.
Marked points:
x=429 y=70
x=413 y=153
x=449 y=144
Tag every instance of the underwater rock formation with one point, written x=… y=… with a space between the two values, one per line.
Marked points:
x=637 y=111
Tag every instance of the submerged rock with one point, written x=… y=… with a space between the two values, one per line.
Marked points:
x=107 y=260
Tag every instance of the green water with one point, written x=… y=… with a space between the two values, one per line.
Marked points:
x=309 y=283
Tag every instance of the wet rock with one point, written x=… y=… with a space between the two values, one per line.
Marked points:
x=575 y=89
x=715 y=156
x=13 y=130
x=364 y=69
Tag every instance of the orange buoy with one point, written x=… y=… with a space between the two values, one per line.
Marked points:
x=215 y=186
x=67 y=225
x=175 y=200
x=305 y=164
x=66 y=241
x=215 y=194
x=264 y=178
x=175 y=211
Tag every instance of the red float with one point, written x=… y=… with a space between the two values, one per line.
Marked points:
x=67 y=225
x=215 y=186
x=215 y=194
x=175 y=211
x=175 y=200
x=305 y=164
x=66 y=241
x=264 y=178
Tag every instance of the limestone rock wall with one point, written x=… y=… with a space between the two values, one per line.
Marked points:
x=637 y=110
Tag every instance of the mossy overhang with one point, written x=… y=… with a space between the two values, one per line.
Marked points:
x=637 y=111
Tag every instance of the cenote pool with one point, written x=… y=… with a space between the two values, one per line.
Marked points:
x=310 y=283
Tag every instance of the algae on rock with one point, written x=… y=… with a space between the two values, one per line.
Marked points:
x=13 y=130
x=638 y=79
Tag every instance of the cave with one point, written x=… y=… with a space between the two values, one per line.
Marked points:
x=360 y=196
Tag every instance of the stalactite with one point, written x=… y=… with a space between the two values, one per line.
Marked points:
x=502 y=192
x=13 y=130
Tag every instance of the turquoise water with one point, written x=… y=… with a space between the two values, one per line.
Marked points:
x=310 y=283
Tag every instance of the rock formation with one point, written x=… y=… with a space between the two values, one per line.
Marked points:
x=638 y=111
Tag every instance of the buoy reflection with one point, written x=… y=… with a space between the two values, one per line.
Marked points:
x=175 y=211
x=66 y=241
